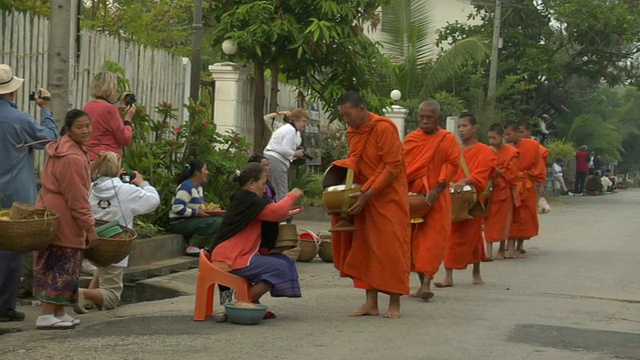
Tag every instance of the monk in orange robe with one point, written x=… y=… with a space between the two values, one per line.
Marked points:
x=524 y=128
x=524 y=224
x=376 y=256
x=501 y=201
x=433 y=159
x=466 y=245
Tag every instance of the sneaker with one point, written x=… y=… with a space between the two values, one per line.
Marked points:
x=192 y=251
x=7 y=315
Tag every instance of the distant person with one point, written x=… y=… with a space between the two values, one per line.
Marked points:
x=558 y=176
x=282 y=150
x=607 y=184
x=110 y=131
x=582 y=170
x=594 y=185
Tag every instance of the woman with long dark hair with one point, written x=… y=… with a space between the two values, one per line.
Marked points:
x=241 y=233
x=187 y=216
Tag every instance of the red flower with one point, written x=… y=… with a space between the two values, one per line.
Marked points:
x=177 y=130
x=172 y=148
x=205 y=123
x=169 y=104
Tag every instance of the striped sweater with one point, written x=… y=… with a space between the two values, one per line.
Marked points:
x=186 y=202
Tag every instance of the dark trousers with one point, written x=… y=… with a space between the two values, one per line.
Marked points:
x=9 y=279
x=581 y=181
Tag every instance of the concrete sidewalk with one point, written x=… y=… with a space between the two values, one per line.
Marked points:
x=576 y=296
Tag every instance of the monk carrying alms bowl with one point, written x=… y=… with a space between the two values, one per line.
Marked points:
x=418 y=207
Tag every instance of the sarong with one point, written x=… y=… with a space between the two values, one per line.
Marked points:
x=56 y=271
x=277 y=270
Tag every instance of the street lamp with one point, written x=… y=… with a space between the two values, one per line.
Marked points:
x=229 y=48
x=395 y=95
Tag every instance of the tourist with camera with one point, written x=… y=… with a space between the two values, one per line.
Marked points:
x=115 y=196
x=17 y=179
x=282 y=150
x=110 y=131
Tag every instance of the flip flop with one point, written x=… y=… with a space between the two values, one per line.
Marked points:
x=58 y=325
x=269 y=315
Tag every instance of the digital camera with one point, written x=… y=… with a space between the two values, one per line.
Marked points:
x=127 y=178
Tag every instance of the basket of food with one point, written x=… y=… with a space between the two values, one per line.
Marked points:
x=113 y=245
x=212 y=209
x=24 y=229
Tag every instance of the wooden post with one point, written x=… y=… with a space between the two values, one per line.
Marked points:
x=58 y=73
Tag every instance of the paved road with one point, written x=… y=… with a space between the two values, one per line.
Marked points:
x=576 y=296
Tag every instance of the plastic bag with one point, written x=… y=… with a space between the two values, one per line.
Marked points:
x=543 y=206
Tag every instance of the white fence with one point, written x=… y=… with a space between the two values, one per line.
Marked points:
x=154 y=75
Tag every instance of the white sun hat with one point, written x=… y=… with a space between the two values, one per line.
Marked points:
x=8 y=82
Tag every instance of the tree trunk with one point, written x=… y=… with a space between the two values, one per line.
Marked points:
x=273 y=101
x=259 y=138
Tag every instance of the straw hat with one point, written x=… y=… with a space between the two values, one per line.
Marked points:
x=8 y=82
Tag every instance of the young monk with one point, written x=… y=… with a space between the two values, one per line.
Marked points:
x=376 y=256
x=501 y=201
x=466 y=245
x=524 y=224
x=524 y=128
x=433 y=159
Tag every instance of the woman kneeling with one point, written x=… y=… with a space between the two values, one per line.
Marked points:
x=236 y=246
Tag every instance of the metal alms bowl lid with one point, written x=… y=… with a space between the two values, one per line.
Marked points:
x=340 y=187
x=334 y=175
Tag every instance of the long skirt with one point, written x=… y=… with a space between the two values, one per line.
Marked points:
x=55 y=277
x=277 y=270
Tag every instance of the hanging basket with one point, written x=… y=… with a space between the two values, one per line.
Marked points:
x=292 y=253
x=34 y=232
x=325 y=250
x=110 y=251
x=308 y=244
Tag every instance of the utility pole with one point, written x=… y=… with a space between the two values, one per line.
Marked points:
x=58 y=73
x=493 y=72
x=196 y=51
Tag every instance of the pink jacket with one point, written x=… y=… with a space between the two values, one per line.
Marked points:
x=109 y=131
x=238 y=251
x=65 y=189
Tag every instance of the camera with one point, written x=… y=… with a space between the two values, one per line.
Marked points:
x=127 y=178
x=32 y=96
x=129 y=99
x=307 y=156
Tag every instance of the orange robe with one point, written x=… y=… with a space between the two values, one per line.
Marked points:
x=377 y=256
x=501 y=201
x=524 y=224
x=431 y=159
x=466 y=245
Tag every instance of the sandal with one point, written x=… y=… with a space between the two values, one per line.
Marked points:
x=269 y=315
x=58 y=325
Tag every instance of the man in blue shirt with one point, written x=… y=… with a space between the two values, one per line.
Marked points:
x=17 y=174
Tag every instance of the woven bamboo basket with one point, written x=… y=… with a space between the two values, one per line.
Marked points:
x=308 y=244
x=106 y=252
x=292 y=253
x=325 y=250
x=34 y=233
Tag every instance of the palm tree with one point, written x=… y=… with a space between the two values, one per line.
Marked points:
x=407 y=41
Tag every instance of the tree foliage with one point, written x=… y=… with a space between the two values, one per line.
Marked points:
x=319 y=45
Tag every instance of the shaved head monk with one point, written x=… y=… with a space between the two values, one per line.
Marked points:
x=524 y=129
x=466 y=245
x=501 y=201
x=433 y=159
x=524 y=224
x=377 y=256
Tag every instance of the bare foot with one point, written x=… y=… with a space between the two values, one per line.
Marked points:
x=392 y=314
x=500 y=256
x=444 y=284
x=477 y=279
x=521 y=251
x=415 y=294
x=426 y=295
x=364 y=310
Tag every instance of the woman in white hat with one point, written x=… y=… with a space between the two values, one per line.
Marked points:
x=17 y=179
